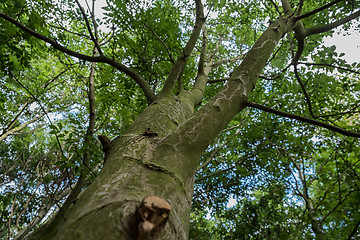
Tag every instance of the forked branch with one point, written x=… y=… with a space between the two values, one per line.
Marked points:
x=180 y=63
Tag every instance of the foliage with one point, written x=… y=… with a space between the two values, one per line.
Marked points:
x=270 y=165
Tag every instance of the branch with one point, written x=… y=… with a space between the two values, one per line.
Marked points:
x=213 y=54
x=19 y=128
x=301 y=4
x=149 y=94
x=87 y=139
x=300 y=36
x=201 y=80
x=42 y=212
x=329 y=65
x=304 y=119
x=317 y=10
x=218 y=80
x=94 y=20
x=95 y=40
x=240 y=161
x=203 y=51
x=276 y=7
x=307 y=98
x=180 y=63
x=337 y=205
x=275 y=76
x=328 y=27
x=286 y=6
x=354 y=230
x=12 y=123
x=219 y=63
x=162 y=42
x=66 y=30
x=42 y=108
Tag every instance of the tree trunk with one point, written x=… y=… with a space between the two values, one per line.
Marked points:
x=158 y=156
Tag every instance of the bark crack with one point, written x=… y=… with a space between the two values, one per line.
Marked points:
x=158 y=168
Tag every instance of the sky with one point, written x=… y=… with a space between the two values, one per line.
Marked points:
x=348 y=44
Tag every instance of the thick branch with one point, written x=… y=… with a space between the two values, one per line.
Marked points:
x=306 y=120
x=131 y=73
x=300 y=7
x=203 y=71
x=286 y=6
x=196 y=133
x=203 y=51
x=213 y=54
x=88 y=137
x=218 y=80
x=94 y=22
x=328 y=27
x=180 y=63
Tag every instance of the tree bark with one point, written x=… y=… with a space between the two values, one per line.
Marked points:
x=158 y=156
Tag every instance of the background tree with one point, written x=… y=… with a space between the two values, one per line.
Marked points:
x=169 y=82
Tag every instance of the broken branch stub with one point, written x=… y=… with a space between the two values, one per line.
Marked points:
x=154 y=213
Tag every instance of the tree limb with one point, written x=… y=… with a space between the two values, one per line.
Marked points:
x=354 y=230
x=337 y=205
x=87 y=138
x=301 y=4
x=317 y=10
x=19 y=128
x=202 y=59
x=94 y=39
x=221 y=62
x=12 y=123
x=218 y=80
x=328 y=27
x=42 y=212
x=162 y=42
x=304 y=119
x=307 y=98
x=276 y=7
x=149 y=94
x=286 y=6
x=329 y=65
x=180 y=63
x=42 y=108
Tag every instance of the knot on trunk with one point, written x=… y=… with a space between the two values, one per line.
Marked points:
x=152 y=216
